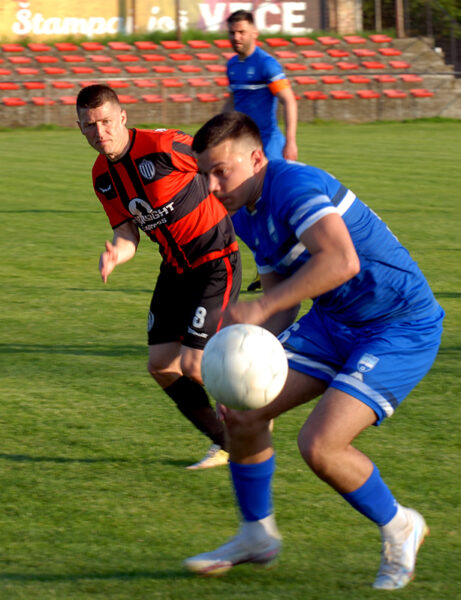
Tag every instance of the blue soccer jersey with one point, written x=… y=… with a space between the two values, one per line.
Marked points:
x=389 y=286
x=249 y=82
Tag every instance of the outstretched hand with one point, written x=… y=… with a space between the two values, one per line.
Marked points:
x=244 y=312
x=108 y=261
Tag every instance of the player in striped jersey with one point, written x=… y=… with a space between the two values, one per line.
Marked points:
x=148 y=180
x=371 y=334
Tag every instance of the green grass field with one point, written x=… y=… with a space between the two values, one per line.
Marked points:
x=94 y=498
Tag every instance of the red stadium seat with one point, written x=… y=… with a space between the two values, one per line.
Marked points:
x=221 y=81
x=354 y=39
x=358 y=79
x=384 y=78
x=19 y=60
x=228 y=55
x=367 y=94
x=331 y=79
x=302 y=41
x=190 y=68
x=8 y=85
x=179 y=98
x=136 y=69
x=53 y=71
x=172 y=45
x=222 y=43
x=199 y=44
x=110 y=70
x=315 y=95
x=390 y=51
x=327 y=40
x=5 y=71
x=12 y=48
x=120 y=46
x=152 y=98
x=180 y=56
x=341 y=95
x=73 y=58
x=145 y=83
x=62 y=85
x=305 y=80
x=207 y=56
x=277 y=42
x=295 y=67
x=285 y=54
x=145 y=45
x=163 y=69
x=321 y=66
x=410 y=78
x=14 y=101
x=84 y=84
x=42 y=101
x=34 y=85
x=172 y=82
x=127 y=58
x=216 y=68
x=421 y=93
x=380 y=38
x=68 y=100
x=33 y=71
x=395 y=93
x=207 y=97
x=312 y=54
x=399 y=64
x=337 y=53
x=346 y=66
x=373 y=65
x=45 y=59
x=92 y=46
x=38 y=47
x=66 y=46
x=127 y=99
x=199 y=82
x=82 y=70
x=100 y=58
x=154 y=57
x=117 y=84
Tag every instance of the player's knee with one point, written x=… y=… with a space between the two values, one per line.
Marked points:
x=314 y=452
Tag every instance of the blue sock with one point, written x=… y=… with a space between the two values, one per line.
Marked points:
x=373 y=499
x=252 y=485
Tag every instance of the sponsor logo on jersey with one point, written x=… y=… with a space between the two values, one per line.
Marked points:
x=197 y=333
x=251 y=72
x=147 y=169
x=146 y=217
x=103 y=185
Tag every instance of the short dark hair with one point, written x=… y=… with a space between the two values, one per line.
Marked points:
x=240 y=15
x=232 y=125
x=93 y=96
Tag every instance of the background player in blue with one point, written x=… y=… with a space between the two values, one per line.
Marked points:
x=371 y=334
x=257 y=82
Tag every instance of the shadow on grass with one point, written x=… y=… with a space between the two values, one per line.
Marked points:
x=181 y=463
x=79 y=350
x=121 y=575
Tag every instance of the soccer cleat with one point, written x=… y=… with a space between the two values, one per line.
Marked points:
x=398 y=556
x=257 y=542
x=255 y=284
x=215 y=457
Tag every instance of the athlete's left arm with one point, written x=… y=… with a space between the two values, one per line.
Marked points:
x=290 y=114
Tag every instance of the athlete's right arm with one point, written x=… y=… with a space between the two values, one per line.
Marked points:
x=121 y=249
x=229 y=104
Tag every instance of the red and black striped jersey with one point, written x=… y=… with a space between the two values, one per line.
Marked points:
x=156 y=184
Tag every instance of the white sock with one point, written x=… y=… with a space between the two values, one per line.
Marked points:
x=397 y=525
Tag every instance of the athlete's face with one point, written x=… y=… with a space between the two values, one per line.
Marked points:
x=235 y=173
x=243 y=37
x=105 y=129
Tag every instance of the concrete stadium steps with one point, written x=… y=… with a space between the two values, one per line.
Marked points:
x=352 y=78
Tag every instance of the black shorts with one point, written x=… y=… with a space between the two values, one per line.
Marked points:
x=187 y=308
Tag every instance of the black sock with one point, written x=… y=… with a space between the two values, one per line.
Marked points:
x=192 y=400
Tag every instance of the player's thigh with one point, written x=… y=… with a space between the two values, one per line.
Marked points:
x=191 y=360
x=165 y=358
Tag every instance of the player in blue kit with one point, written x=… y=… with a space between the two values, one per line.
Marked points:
x=372 y=333
x=257 y=82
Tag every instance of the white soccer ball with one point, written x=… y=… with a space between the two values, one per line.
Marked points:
x=244 y=366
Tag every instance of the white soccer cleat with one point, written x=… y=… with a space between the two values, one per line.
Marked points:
x=215 y=457
x=257 y=542
x=398 y=556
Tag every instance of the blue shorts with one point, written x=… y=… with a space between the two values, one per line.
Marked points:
x=378 y=365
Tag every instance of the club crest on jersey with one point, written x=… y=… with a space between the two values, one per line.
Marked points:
x=147 y=169
x=367 y=362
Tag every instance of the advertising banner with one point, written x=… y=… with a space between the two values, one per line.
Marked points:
x=42 y=20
